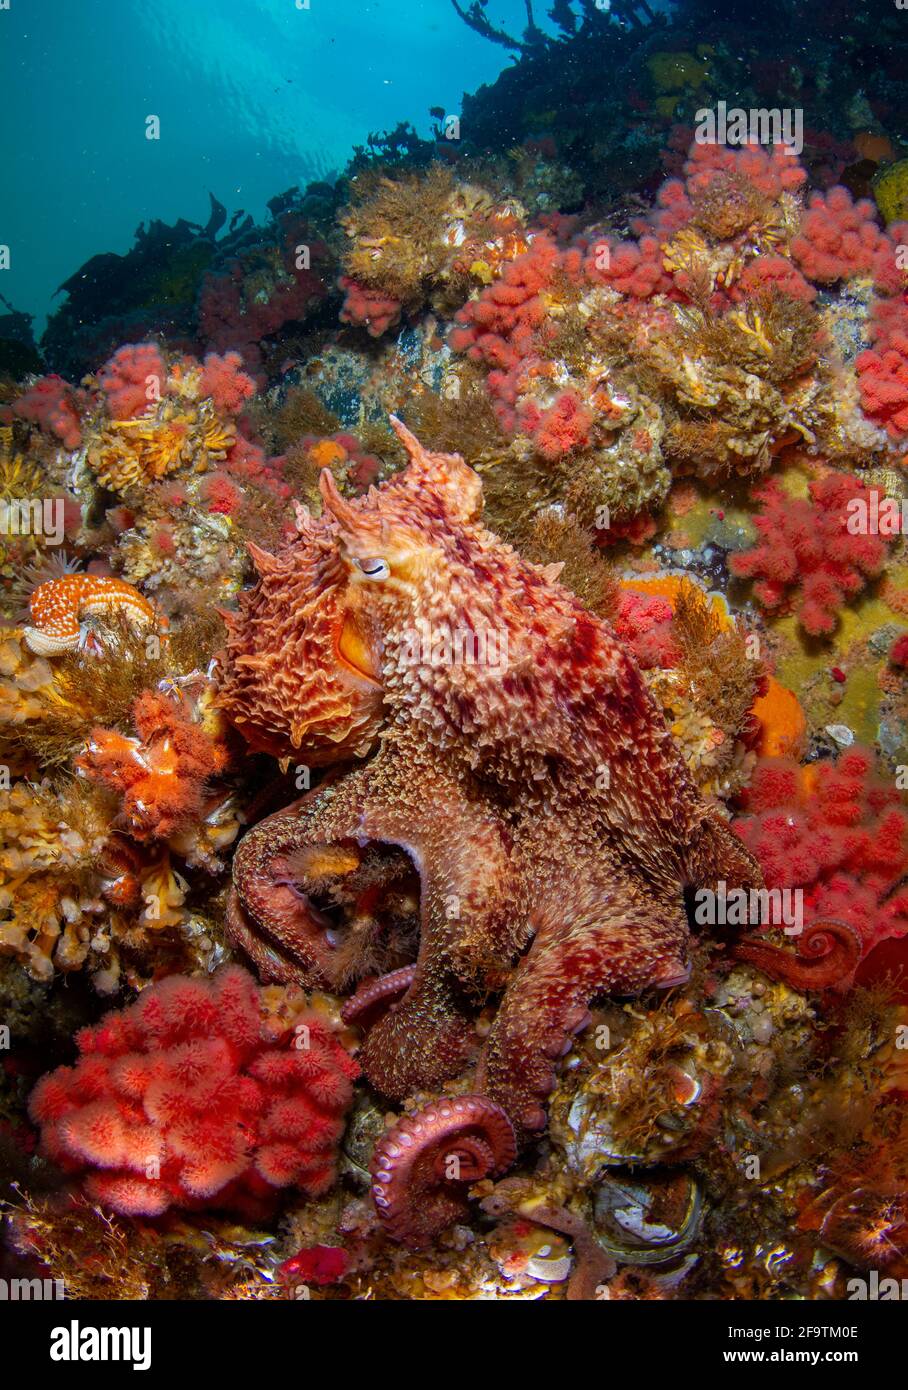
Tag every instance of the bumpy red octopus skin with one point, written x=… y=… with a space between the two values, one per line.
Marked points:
x=536 y=788
x=270 y=919
x=422 y=1167
x=827 y=955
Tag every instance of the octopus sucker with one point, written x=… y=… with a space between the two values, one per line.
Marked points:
x=374 y=996
x=420 y=1168
x=541 y=883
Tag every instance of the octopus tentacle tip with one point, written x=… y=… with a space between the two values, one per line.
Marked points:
x=826 y=956
x=421 y=1167
x=406 y=436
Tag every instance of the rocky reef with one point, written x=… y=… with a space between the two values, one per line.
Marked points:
x=453 y=706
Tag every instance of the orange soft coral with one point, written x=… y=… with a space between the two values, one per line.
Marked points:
x=161 y=774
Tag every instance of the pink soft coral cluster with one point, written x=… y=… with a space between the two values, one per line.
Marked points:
x=185 y=1100
x=839 y=832
x=132 y=383
x=224 y=380
x=883 y=369
x=840 y=238
x=53 y=405
x=507 y=329
x=368 y=308
x=644 y=622
x=133 y=379
x=806 y=556
x=560 y=429
x=633 y=268
x=511 y=325
x=767 y=273
x=771 y=171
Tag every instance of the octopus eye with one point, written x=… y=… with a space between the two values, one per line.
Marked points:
x=375 y=568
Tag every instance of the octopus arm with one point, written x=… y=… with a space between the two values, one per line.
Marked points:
x=715 y=852
x=826 y=956
x=465 y=945
x=599 y=940
x=272 y=914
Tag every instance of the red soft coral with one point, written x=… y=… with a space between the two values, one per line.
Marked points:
x=184 y=1099
x=773 y=273
x=133 y=379
x=224 y=380
x=840 y=238
x=221 y=494
x=507 y=326
x=630 y=267
x=369 y=309
x=770 y=172
x=839 y=832
x=898 y=652
x=560 y=430
x=161 y=775
x=267 y=286
x=644 y=622
x=883 y=369
x=807 y=555
x=52 y=404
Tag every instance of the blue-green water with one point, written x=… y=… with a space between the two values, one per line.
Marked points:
x=252 y=95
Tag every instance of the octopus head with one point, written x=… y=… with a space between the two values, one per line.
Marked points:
x=315 y=641
x=291 y=678
x=402 y=547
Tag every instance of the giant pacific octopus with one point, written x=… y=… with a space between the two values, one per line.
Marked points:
x=510 y=750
